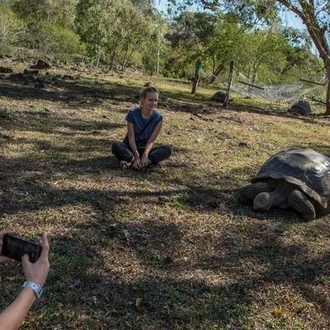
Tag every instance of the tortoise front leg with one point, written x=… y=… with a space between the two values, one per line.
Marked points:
x=300 y=203
x=252 y=190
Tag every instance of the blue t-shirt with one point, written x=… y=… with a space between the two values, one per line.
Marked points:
x=143 y=128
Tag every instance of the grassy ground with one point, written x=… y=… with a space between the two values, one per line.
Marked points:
x=172 y=248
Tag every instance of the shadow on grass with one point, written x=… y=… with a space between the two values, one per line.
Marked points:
x=85 y=275
x=46 y=122
x=279 y=113
x=30 y=174
x=58 y=89
x=126 y=274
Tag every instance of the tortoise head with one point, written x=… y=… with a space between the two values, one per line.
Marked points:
x=262 y=202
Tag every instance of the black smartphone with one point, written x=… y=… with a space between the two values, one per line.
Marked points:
x=15 y=248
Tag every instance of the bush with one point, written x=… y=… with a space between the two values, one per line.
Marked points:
x=51 y=38
x=67 y=41
x=11 y=28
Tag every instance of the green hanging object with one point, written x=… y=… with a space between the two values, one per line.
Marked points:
x=199 y=64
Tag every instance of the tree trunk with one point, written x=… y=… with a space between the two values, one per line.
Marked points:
x=230 y=80
x=317 y=33
x=123 y=64
x=327 y=100
x=113 y=58
x=326 y=61
x=324 y=52
x=97 y=55
x=216 y=73
x=195 y=81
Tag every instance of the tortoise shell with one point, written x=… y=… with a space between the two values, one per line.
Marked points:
x=306 y=169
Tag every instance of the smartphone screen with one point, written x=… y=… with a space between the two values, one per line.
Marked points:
x=15 y=248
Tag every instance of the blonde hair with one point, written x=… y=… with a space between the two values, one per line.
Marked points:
x=147 y=90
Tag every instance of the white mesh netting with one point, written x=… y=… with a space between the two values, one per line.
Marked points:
x=285 y=93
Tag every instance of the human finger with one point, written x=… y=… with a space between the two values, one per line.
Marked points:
x=6 y=260
x=3 y=232
x=45 y=246
x=25 y=261
x=136 y=165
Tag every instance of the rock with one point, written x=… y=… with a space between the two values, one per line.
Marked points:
x=219 y=96
x=5 y=70
x=40 y=65
x=302 y=107
x=31 y=72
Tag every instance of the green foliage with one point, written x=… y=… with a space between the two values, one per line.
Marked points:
x=131 y=33
x=229 y=42
x=52 y=38
x=146 y=6
x=58 y=39
x=268 y=55
x=189 y=36
x=102 y=35
x=11 y=28
x=277 y=58
x=49 y=25
x=155 y=52
x=60 y=12
x=117 y=35
x=93 y=32
x=137 y=33
x=315 y=15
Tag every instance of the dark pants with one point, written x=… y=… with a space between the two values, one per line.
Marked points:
x=123 y=152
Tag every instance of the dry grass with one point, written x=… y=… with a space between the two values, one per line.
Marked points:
x=173 y=248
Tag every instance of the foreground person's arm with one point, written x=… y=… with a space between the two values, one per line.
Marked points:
x=13 y=316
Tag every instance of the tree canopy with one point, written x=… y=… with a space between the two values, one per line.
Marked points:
x=315 y=15
x=133 y=33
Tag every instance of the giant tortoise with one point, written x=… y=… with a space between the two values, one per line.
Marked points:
x=297 y=179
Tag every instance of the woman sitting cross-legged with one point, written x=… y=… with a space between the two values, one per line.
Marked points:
x=144 y=124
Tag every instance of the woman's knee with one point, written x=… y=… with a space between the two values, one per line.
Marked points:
x=115 y=147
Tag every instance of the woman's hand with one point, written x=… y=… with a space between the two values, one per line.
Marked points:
x=2 y=258
x=37 y=272
x=145 y=160
x=137 y=163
